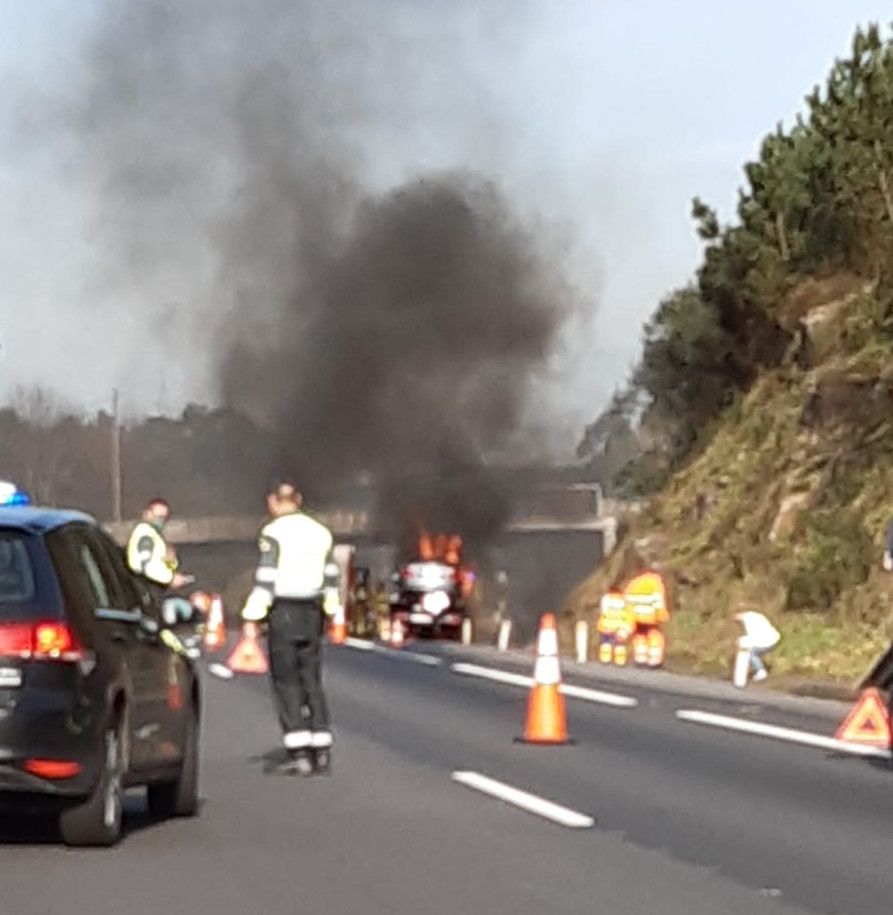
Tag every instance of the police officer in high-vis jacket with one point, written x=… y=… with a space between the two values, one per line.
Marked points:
x=148 y=553
x=295 y=586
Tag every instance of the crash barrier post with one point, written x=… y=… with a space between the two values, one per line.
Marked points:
x=742 y=662
x=248 y=657
x=466 y=631
x=546 y=717
x=215 y=632
x=581 y=641
x=397 y=636
x=505 y=633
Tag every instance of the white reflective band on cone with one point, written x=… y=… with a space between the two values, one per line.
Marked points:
x=548 y=642
x=547 y=671
x=320 y=740
x=297 y=740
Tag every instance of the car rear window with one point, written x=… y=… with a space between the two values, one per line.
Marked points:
x=17 y=584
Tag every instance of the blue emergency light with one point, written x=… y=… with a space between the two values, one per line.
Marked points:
x=11 y=496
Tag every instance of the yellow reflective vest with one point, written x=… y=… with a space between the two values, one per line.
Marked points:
x=149 y=555
x=295 y=563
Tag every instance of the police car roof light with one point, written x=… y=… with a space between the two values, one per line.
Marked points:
x=11 y=496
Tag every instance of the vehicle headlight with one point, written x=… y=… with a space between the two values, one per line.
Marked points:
x=436 y=602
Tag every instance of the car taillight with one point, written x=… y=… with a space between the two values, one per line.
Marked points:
x=52 y=768
x=56 y=641
x=15 y=640
x=43 y=641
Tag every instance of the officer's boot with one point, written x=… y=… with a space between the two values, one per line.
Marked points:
x=296 y=762
x=322 y=761
x=302 y=762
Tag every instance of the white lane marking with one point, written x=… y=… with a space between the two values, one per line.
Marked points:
x=362 y=644
x=403 y=655
x=525 y=801
x=489 y=673
x=790 y=735
x=415 y=656
x=575 y=692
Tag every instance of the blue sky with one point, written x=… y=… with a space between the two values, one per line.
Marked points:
x=604 y=118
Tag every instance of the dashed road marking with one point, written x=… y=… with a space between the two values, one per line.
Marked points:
x=399 y=654
x=513 y=679
x=361 y=644
x=532 y=803
x=789 y=735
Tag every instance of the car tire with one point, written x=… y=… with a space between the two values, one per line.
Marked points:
x=179 y=797
x=97 y=821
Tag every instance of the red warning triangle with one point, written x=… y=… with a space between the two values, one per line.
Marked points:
x=868 y=723
x=248 y=657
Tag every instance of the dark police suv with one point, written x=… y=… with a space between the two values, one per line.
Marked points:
x=92 y=698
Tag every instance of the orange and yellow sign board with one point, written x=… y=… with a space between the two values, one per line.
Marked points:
x=647 y=594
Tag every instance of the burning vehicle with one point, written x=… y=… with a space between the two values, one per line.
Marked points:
x=431 y=591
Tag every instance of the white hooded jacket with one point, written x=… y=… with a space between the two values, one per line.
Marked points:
x=759 y=633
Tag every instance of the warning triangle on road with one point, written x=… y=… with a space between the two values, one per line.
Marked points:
x=248 y=657
x=868 y=723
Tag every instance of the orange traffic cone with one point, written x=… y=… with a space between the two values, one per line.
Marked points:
x=248 y=657
x=546 y=718
x=338 y=627
x=397 y=639
x=215 y=634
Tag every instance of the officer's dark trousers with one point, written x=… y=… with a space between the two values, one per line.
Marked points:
x=295 y=634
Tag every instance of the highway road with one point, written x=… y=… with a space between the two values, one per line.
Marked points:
x=657 y=814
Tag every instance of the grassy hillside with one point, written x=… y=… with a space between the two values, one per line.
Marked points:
x=761 y=409
x=785 y=509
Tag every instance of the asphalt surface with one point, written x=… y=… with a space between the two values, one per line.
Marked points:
x=688 y=819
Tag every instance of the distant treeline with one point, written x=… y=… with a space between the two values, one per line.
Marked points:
x=207 y=461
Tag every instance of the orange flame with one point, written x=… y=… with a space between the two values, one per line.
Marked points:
x=441 y=547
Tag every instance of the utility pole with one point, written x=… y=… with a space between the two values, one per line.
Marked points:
x=116 y=457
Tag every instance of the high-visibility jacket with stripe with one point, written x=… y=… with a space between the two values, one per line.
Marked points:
x=295 y=563
x=148 y=554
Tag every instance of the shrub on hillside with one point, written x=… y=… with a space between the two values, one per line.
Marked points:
x=836 y=555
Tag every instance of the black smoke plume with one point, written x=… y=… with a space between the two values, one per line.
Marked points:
x=411 y=355
x=392 y=332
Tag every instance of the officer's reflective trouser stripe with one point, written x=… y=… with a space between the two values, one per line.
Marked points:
x=297 y=740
